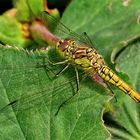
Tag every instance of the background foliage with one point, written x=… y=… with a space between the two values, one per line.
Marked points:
x=113 y=26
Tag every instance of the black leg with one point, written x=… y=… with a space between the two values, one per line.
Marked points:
x=77 y=79
x=65 y=102
x=71 y=97
x=61 y=71
x=111 y=91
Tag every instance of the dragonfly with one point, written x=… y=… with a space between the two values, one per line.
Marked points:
x=79 y=51
x=84 y=56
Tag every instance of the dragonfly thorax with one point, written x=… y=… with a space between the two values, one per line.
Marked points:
x=88 y=58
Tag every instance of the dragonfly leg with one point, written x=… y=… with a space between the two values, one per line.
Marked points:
x=65 y=102
x=75 y=93
x=45 y=66
x=50 y=62
x=58 y=63
x=102 y=82
x=61 y=71
x=53 y=63
x=111 y=91
x=77 y=79
x=44 y=63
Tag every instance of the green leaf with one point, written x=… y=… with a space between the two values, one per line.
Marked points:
x=28 y=9
x=124 y=121
x=10 y=32
x=23 y=11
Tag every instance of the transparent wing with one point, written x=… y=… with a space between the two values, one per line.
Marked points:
x=60 y=27
x=54 y=90
x=48 y=93
x=32 y=82
x=53 y=95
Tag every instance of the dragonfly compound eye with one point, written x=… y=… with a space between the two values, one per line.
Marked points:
x=59 y=43
x=73 y=43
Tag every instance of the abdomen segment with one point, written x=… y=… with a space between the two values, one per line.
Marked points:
x=109 y=76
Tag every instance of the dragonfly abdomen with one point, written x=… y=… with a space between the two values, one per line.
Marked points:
x=108 y=75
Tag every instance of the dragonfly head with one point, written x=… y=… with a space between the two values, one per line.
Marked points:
x=67 y=45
